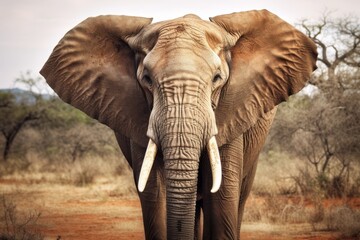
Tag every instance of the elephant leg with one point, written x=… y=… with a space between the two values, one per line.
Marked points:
x=244 y=193
x=221 y=208
x=254 y=140
x=153 y=198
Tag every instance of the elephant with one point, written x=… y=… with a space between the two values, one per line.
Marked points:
x=190 y=101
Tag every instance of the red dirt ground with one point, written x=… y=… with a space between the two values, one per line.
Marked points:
x=99 y=212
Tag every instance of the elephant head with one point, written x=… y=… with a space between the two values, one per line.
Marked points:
x=179 y=84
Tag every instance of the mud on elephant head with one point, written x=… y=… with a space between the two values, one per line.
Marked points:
x=176 y=86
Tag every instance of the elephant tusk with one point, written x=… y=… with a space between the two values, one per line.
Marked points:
x=215 y=164
x=147 y=165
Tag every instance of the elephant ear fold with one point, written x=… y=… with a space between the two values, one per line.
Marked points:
x=270 y=60
x=93 y=69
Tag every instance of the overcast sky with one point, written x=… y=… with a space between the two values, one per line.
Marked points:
x=30 y=29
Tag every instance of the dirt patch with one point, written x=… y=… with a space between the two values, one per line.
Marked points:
x=257 y=231
x=93 y=212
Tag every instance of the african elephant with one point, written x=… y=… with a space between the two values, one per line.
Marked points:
x=190 y=101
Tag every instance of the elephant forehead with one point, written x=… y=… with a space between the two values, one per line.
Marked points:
x=181 y=31
x=187 y=60
x=197 y=31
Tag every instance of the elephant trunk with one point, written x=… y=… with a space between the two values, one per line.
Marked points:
x=181 y=191
x=183 y=132
x=182 y=140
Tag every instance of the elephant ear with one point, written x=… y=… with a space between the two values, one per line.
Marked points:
x=93 y=69
x=270 y=60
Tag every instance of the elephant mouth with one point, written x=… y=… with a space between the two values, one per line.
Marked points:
x=214 y=157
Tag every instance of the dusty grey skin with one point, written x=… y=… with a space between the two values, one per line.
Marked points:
x=179 y=83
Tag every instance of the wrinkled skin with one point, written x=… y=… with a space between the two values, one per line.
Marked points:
x=180 y=83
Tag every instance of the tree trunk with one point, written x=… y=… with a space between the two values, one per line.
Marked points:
x=6 y=149
x=9 y=139
x=10 y=135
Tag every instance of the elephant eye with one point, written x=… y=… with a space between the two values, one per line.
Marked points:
x=217 y=78
x=148 y=80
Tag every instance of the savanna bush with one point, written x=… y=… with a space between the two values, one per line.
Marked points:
x=345 y=220
x=18 y=226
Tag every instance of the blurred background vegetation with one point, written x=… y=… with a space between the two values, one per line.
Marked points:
x=318 y=127
x=313 y=150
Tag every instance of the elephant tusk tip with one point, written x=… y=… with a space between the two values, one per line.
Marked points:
x=214 y=190
x=148 y=162
x=215 y=187
x=215 y=164
x=141 y=187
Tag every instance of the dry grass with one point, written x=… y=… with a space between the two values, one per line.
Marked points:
x=275 y=209
x=343 y=219
x=287 y=211
x=274 y=174
x=15 y=225
x=82 y=172
x=275 y=199
x=71 y=212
